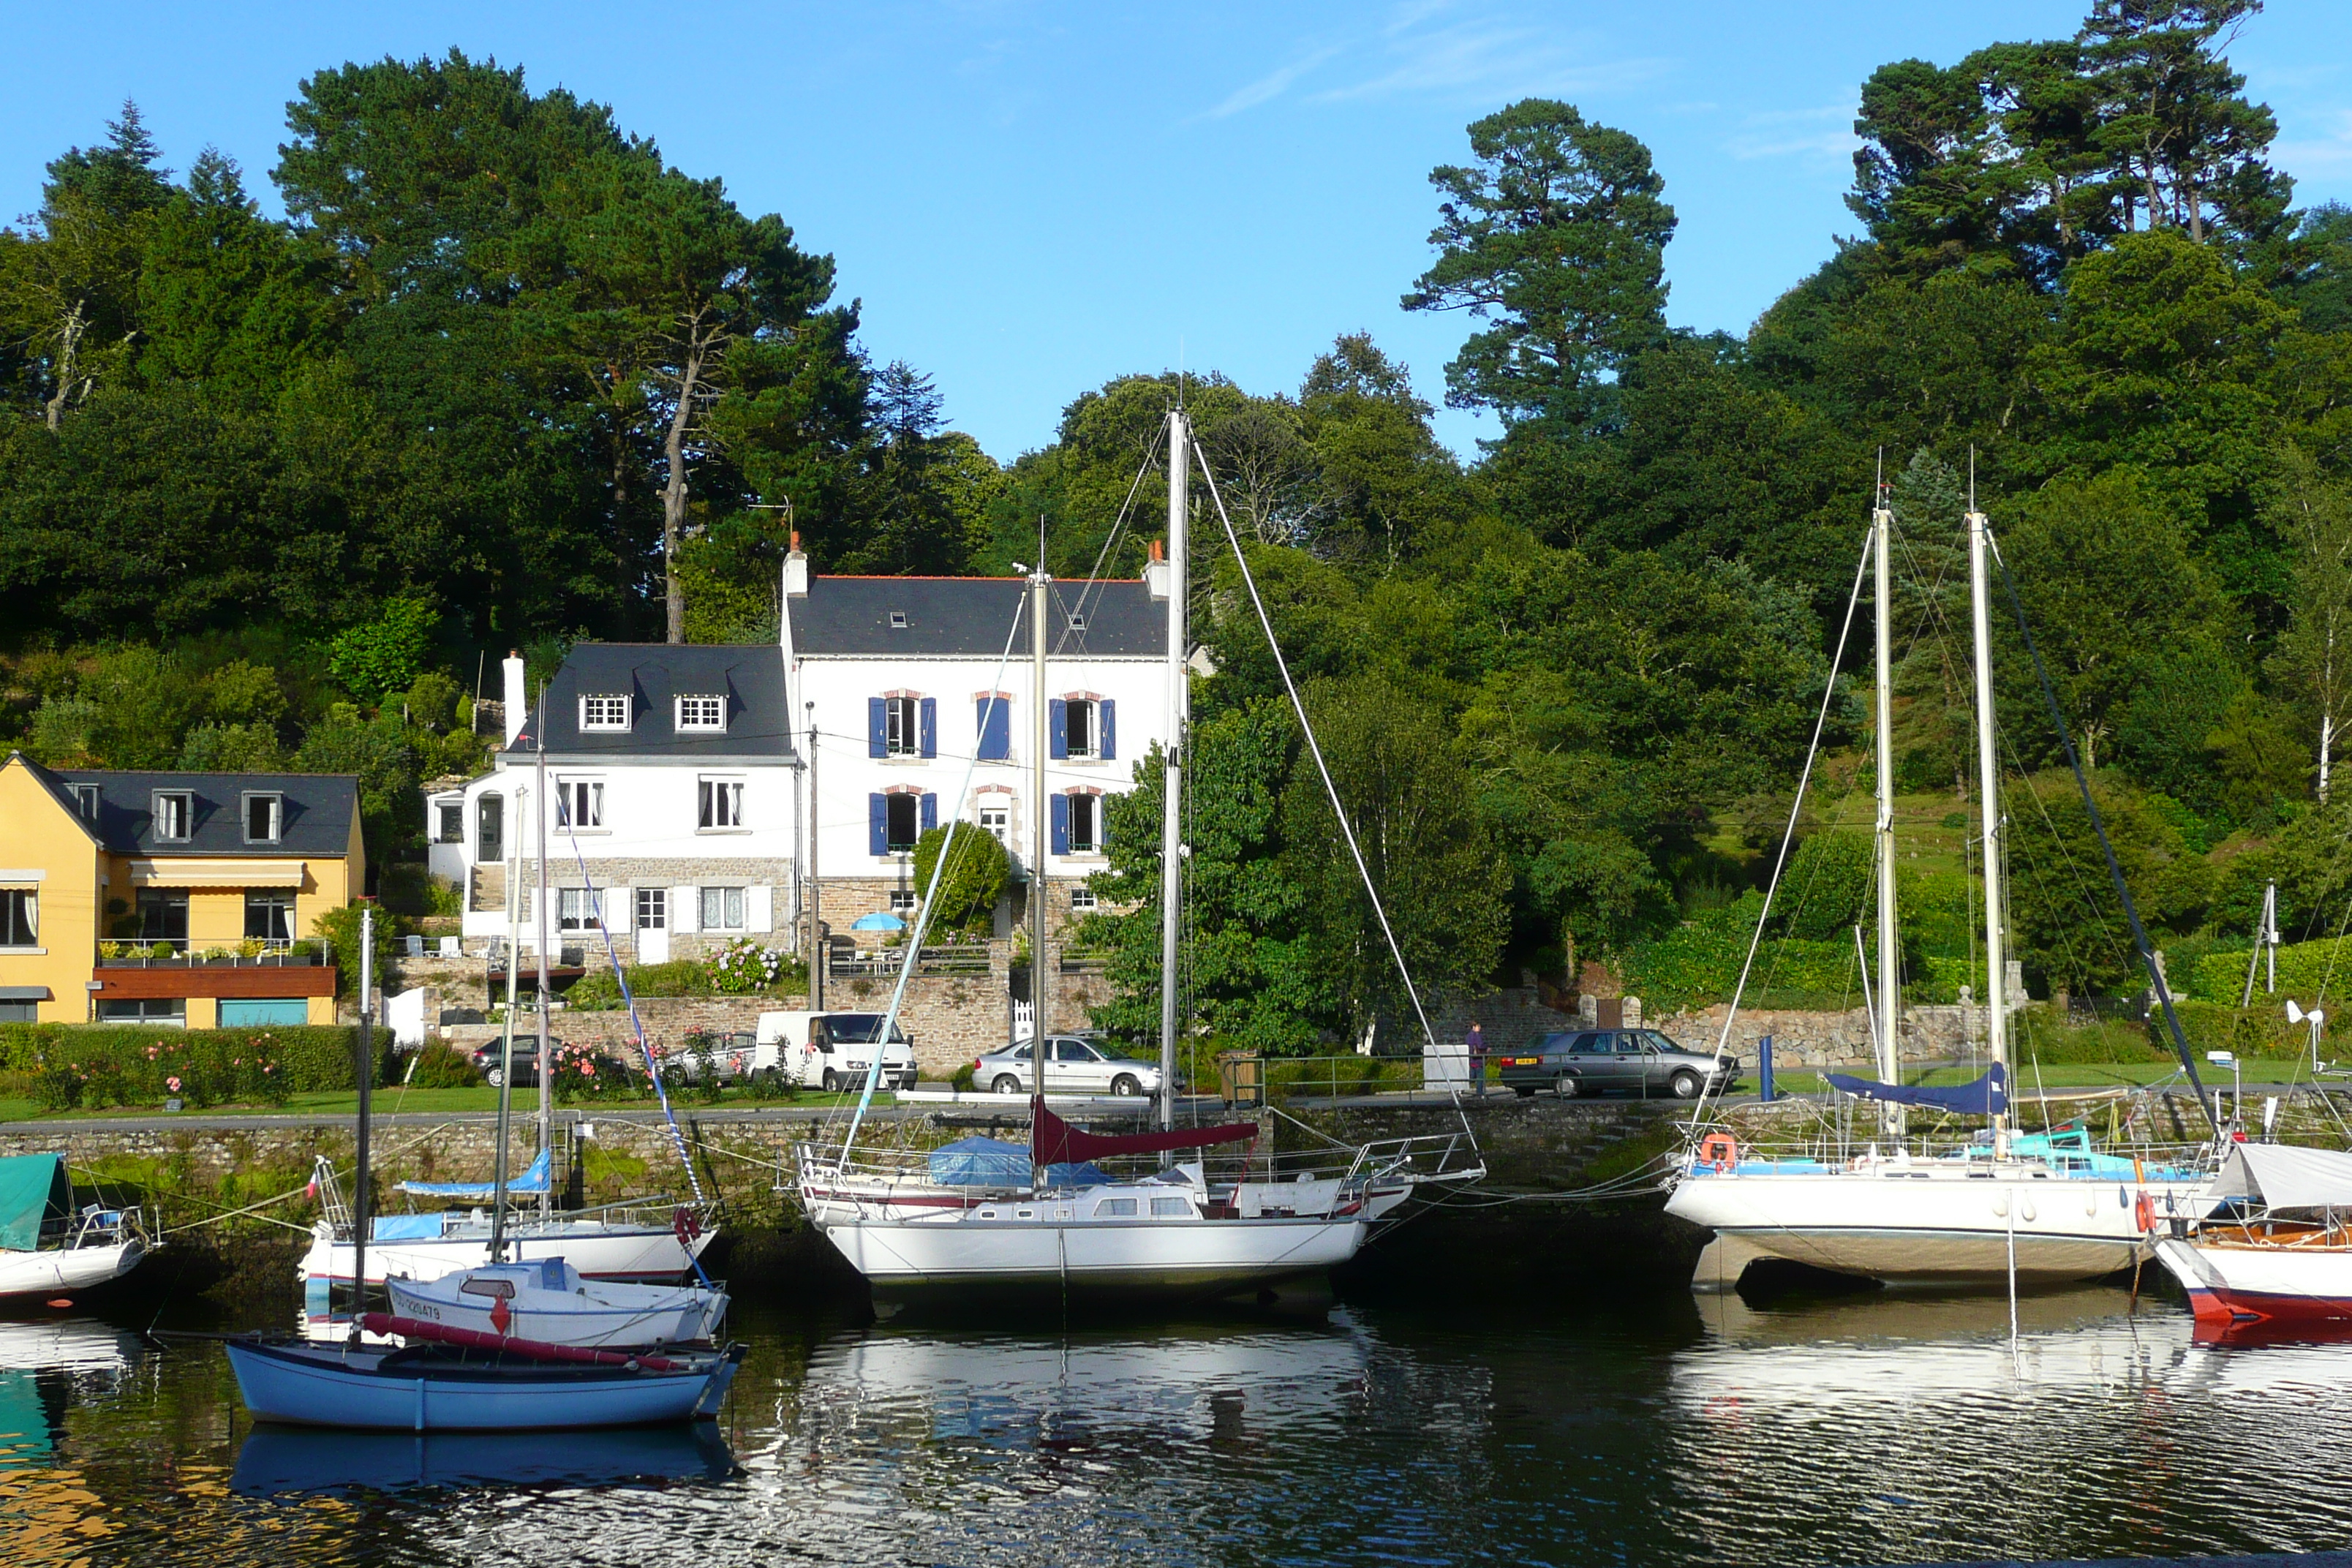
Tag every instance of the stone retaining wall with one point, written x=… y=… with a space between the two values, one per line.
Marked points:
x=1829 y=1039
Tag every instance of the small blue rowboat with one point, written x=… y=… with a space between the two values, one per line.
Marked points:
x=436 y=1387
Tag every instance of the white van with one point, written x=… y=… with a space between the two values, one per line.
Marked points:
x=832 y=1051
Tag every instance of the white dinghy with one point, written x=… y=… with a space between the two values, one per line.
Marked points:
x=550 y=1301
x=47 y=1247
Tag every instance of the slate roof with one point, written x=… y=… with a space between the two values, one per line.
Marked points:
x=315 y=815
x=751 y=676
x=969 y=618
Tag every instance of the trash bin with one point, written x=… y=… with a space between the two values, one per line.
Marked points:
x=1241 y=1078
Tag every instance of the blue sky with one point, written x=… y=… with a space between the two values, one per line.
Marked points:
x=1031 y=198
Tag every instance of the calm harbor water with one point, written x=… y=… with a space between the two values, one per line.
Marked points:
x=1660 y=1429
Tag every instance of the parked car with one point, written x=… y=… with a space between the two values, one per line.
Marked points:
x=1573 y=1062
x=727 y=1055
x=526 y=1062
x=1077 y=1065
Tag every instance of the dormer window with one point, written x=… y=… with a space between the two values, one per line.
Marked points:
x=703 y=712
x=604 y=710
x=86 y=801
x=264 y=816
x=175 y=816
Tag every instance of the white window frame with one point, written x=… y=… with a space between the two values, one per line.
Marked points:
x=573 y=910
x=1093 y=706
x=579 y=805
x=718 y=804
x=174 y=808
x=1093 y=845
x=702 y=712
x=1082 y=901
x=31 y=936
x=442 y=821
x=1001 y=807
x=604 y=711
x=902 y=726
x=276 y=802
x=902 y=900
x=653 y=908
x=87 y=799
x=724 y=907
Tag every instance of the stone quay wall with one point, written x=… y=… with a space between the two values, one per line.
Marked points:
x=1829 y=1039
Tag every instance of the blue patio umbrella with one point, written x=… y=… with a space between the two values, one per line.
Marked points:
x=877 y=922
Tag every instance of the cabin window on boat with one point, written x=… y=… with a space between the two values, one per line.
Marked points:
x=1171 y=1208
x=1115 y=1208
x=20 y=917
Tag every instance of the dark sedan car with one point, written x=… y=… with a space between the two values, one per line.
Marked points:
x=488 y=1062
x=1574 y=1062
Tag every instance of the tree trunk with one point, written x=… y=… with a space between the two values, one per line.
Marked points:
x=674 y=490
x=68 y=358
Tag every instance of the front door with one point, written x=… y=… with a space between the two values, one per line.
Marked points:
x=653 y=925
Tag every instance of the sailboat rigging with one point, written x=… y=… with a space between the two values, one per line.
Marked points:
x=949 y=1220
x=2044 y=1208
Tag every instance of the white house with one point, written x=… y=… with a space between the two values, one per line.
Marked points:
x=679 y=776
x=897 y=683
x=671 y=802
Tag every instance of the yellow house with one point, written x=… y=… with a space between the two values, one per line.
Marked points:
x=172 y=898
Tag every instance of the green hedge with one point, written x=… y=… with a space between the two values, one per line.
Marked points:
x=2302 y=968
x=1699 y=962
x=101 y=1065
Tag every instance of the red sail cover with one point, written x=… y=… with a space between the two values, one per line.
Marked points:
x=1054 y=1141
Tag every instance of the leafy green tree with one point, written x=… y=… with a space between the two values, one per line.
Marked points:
x=2070 y=930
x=1558 y=235
x=388 y=653
x=213 y=747
x=977 y=869
x=2310 y=512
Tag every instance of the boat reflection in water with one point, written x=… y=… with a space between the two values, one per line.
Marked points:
x=280 y=1461
x=46 y=1367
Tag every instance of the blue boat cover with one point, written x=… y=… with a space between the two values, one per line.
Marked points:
x=32 y=1184
x=981 y=1162
x=532 y=1182
x=1989 y=1096
x=404 y=1227
x=1083 y=1175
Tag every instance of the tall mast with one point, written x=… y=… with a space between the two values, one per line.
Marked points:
x=364 y=1067
x=506 y=1045
x=1171 y=826
x=1889 y=947
x=546 y=1072
x=1988 y=802
x=1041 y=586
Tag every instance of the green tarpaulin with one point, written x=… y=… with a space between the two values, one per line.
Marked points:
x=31 y=1185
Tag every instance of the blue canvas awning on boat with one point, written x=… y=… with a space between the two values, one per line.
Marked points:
x=531 y=1183
x=1989 y=1096
x=980 y=1163
x=31 y=1185
x=404 y=1227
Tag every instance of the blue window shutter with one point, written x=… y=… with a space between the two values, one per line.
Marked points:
x=930 y=808
x=1061 y=821
x=1057 y=729
x=1107 y=716
x=877 y=727
x=995 y=729
x=877 y=824
x=927 y=727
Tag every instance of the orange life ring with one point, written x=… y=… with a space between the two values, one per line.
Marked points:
x=1718 y=1149
x=2144 y=1212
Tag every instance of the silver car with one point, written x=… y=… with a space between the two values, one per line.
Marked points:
x=1075 y=1066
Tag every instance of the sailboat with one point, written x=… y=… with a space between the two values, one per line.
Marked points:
x=47 y=1248
x=643 y=1243
x=947 y=1222
x=2039 y=1209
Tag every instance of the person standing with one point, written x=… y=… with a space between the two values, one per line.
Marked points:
x=1477 y=1042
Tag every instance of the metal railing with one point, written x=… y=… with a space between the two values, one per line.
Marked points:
x=883 y=963
x=181 y=952
x=1335 y=1076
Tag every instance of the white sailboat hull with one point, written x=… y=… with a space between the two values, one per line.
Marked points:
x=649 y=1254
x=1925 y=1226
x=48 y=1272
x=1191 y=1257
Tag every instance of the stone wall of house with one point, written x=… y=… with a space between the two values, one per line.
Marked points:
x=1832 y=1039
